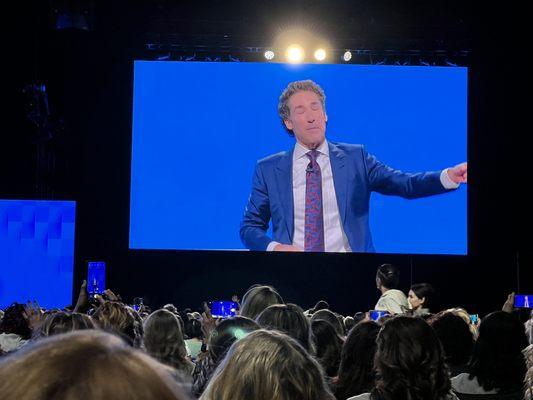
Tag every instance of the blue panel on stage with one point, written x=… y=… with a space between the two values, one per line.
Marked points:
x=36 y=252
x=199 y=128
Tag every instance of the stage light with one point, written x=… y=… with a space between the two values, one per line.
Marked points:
x=269 y=55
x=295 y=54
x=347 y=56
x=320 y=55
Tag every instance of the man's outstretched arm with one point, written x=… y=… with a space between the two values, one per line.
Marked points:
x=389 y=181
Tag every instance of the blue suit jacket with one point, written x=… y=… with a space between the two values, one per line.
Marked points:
x=356 y=174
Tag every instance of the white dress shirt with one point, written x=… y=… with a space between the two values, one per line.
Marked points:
x=335 y=240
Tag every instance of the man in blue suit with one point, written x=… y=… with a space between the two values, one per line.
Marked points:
x=318 y=193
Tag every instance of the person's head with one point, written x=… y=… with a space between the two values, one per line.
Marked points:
x=409 y=361
x=321 y=305
x=193 y=329
x=302 y=109
x=387 y=277
x=267 y=365
x=257 y=298
x=328 y=344
x=356 y=369
x=329 y=316
x=15 y=321
x=226 y=333
x=497 y=360
x=63 y=322
x=289 y=319
x=420 y=295
x=163 y=338
x=455 y=336
x=85 y=365
x=349 y=323
x=115 y=317
x=461 y=312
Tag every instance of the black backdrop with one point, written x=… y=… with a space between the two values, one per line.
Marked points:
x=89 y=80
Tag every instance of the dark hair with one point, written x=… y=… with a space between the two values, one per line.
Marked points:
x=328 y=346
x=15 y=322
x=329 y=316
x=409 y=361
x=497 y=360
x=257 y=298
x=388 y=275
x=321 y=305
x=289 y=319
x=356 y=370
x=63 y=322
x=193 y=329
x=423 y=291
x=455 y=336
x=226 y=333
x=163 y=339
x=349 y=323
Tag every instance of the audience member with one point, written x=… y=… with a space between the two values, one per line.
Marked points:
x=392 y=299
x=257 y=298
x=267 y=365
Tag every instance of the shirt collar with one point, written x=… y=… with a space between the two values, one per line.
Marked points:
x=301 y=151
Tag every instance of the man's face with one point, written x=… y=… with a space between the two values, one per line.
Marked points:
x=307 y=119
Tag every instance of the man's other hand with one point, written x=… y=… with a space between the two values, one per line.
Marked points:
x=287 y=247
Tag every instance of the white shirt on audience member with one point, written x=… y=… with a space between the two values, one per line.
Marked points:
x=393 y=301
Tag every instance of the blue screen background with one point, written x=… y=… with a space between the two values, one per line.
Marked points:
x=36 y=252
x=199 y=128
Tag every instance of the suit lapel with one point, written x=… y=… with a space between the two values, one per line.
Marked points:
x=284 y=181
x=340 y=177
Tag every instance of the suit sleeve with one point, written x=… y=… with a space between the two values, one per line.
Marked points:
x=386 y=180
x=256 y=217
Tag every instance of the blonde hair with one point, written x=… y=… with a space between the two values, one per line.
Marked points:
x=267 y=365
x=85 y=365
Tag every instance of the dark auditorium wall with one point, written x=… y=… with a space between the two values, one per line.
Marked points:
x=89 y=78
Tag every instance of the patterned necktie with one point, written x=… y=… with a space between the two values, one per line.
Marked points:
x=314 y=220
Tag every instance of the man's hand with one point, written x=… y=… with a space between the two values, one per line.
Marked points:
x=287 y=247
x=459 y=173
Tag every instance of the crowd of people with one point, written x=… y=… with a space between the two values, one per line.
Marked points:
x=272 y=349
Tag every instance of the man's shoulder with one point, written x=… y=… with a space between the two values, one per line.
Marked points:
x=347 y=148
x=274 y=159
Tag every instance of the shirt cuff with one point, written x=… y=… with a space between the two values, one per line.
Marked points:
x=271 y=246
x=446 y=181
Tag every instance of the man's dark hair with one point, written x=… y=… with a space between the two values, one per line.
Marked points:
x=389 y=276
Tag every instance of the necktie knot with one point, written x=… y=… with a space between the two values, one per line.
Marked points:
x=313 y=155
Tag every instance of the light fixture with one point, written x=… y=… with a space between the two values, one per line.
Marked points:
x=320 y=54
x=295 y=54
